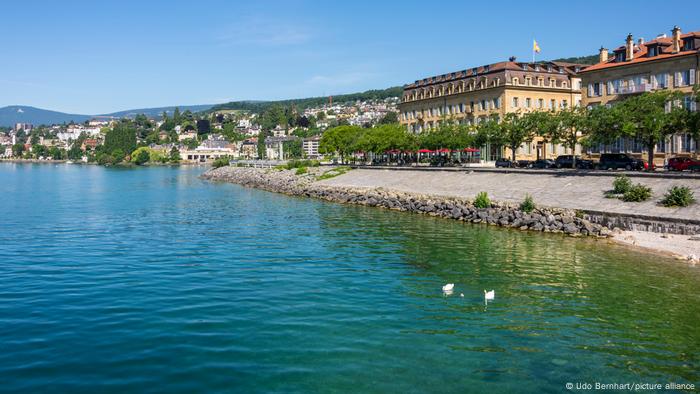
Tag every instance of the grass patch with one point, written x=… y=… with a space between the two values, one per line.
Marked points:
x=482 y=200
x=528 y=204
x=333 y=173
x=302 y=170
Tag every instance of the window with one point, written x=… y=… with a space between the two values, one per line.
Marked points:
x=528 y=102
x=688 y=44
x=620 y=57
x=497 y=103
x=610 y=88
x=514 y=103
x=659 y=81
x=540 y=103
x=515 y=81
x=552 y=104
x=594 y=89
x=683 y=78
x=564 y=104
x=564 y=84
x=653 y=51
x=484 y=105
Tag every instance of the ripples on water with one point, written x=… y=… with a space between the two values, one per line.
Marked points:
x=152 y=280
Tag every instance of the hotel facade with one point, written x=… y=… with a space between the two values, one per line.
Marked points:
x=489 y=92
x=665 y=63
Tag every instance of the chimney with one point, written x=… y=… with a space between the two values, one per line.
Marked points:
x=629 y=48
x=640 y=42
x=603 y=57
x=676 y=35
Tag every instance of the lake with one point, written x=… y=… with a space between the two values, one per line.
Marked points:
x=152 y=280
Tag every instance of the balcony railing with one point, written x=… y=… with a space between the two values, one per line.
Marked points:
x=641 y=88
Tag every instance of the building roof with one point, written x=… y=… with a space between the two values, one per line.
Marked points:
x=665 y=45
x=541 y=67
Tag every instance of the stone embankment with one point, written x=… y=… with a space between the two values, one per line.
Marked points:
x=555 y=220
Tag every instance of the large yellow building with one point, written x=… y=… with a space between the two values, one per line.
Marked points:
x=665 y=63
x=474 y=95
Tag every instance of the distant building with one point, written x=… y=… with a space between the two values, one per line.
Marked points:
x=664 y=63
x=309 y=147
x=27 y=127
x=274 y=147
x=249 y=149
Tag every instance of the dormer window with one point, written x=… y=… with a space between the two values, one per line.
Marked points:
x=524 y=65
x=486 y=68
x=537 y=67
x=653 y=51
x=549 y=69
x=688 y=44
x=620 y=57
x=474 y=70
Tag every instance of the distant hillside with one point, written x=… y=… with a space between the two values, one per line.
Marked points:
x=592 y=59
x=156 y=112
x=37 y=116
x=303 y=103
x=25 y=114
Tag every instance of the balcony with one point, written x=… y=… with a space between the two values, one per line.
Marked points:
x=634 y=89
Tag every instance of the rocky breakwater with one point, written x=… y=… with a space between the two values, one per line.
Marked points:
x=553 y=220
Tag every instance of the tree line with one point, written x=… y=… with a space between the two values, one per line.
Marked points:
x=647 y=118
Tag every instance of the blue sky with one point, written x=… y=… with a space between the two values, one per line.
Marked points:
x=104 y=56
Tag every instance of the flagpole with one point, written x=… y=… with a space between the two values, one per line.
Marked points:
x=533 y=51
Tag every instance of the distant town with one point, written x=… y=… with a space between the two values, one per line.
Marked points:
x=275 y=133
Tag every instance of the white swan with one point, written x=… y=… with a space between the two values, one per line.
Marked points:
x=489 y=295
x=448 y=287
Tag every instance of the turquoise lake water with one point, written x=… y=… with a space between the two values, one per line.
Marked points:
x=152 y=280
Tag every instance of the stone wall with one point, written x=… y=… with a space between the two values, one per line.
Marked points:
x=544 y=219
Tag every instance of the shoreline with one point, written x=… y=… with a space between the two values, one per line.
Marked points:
x=564 y=221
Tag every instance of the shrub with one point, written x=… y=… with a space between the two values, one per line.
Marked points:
x=622 y=184
x=302 y=170
x=292 y=164
x=222 y=161
x=528 y=205
x=482 y=200
x=678 y=196
x=637 y=193
x=141 y=157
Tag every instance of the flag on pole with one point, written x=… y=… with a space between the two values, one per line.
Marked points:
x=535 y=46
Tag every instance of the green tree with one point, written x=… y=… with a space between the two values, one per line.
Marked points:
x=570 y=126
x=651 y=117
x=390 y=117
x=175 y=155
x=340 y=140
x=122 y=136
x=513 y=130
x=17 y=150
x=142 y=156
x=75 y=153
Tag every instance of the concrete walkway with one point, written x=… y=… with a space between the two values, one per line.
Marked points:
x=553 y=190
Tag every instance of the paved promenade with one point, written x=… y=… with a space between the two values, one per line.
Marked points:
x=554 y=190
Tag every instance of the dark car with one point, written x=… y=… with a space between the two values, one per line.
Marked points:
x=504 y=163
x=524 y=163
x=619 y=160
x=542 y=163
x=567 y=161
x=682 y=164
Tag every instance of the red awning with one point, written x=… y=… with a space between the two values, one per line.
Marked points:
x=444 y=150
x=424 y=151
x=471 y=150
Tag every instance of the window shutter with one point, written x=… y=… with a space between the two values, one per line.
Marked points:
x=677 y=79
x=693 y=106
x=692 y=77
x=654 y=83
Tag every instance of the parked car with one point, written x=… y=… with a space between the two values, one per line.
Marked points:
x=567 y=161
x=505 y=163
x=543 y=163
x=619 y=160
x=524 y=163
x=682 y=164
